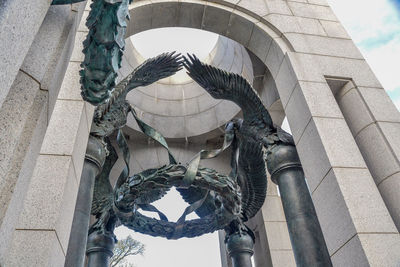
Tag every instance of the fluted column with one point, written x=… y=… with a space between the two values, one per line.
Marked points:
x=305 y=231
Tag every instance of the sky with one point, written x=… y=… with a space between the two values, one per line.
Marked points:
x=374 y=26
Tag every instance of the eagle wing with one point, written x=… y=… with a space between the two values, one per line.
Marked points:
x=147 y=73
x=103 y=191
x=155 y=69
x=229 y=86
x=252 y=178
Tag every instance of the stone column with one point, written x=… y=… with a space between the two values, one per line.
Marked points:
x=375 y=124
x=305 y=232
x=94 y=161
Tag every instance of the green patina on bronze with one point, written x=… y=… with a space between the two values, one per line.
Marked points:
x=103 y=48
x=65 y=2
x=221 y=201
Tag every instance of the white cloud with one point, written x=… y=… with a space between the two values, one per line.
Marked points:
x=385 y=62
x=375 y=28
x=366 y=20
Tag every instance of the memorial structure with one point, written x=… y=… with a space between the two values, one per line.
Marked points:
x=79 y=113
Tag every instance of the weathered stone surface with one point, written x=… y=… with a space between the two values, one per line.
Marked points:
x=50 y=201
x=47 y=41
x=190 y=15
x=377 y=153
x=67 y=132
x=333 y=215
x=325 y=142
x=18 y=27
x=257 y=7
x=355 y=111
x=142 y=14
x=215 y=19
x=15 y=114
x=320 y=45
x=310 y=99
x=318 y=2
x=279 y=7
x=282 y=258
x=285 y=81
x=292 y=24
x=333 y=145
x=164 y=15
x=194 y=127
x=391 y=132
x=40 y=248
x=368 y=215
x=274 y=59
x=334 y=29
x=240 y=28
x=71 y=88
x=381 y=250
x=314 y=67
x=278 y=235
x=21 y=170
x=57 y=69
x=77 y=54
x=311 y=11
x=380 y=105
x=62 y=131
x=389 y=189
x=259 y=42
x=351 y=254
x=273 y=210
x=344 y=211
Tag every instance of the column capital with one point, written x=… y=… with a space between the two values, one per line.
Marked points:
x=96 y=152
x=238 y=243
x=280 y=158
x=100 y=243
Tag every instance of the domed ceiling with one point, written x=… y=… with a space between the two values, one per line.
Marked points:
x=177 y=106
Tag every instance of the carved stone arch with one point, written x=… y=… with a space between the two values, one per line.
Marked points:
x=262 y=39
x=267 y=51
x=309 y=47
x=301 y=44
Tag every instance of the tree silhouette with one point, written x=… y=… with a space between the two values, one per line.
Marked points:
x=124 y=248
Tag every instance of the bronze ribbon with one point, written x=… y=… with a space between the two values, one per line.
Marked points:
x=193 y=165
x=152 y=133
x=123 y=145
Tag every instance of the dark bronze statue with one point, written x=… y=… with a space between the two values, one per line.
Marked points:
x=222 y=201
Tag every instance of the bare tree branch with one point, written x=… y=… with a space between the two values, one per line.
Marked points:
x=124 y=248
